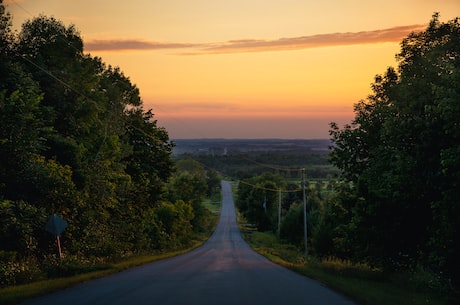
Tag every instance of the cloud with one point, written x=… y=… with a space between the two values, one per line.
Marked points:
x=132 y=44
x=394 y=34
x=315 y=41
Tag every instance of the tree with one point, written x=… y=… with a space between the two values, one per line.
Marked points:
x=175 y=222
x=401 y=155
x=75 y=140
x=150 y=164
x=257 y=200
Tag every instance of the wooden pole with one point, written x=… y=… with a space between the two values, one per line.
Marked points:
x=279 y=212
x=304 y=211
x=59 y=247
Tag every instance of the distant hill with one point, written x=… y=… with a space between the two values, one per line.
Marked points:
x=219 y=147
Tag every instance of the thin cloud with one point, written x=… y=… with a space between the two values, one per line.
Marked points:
x=394 y=34
x=132 y=44
x=315 y=41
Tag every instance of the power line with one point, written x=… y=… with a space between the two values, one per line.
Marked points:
x=53 y=76
x=21 y=7
x=65 y=84
x=63 y=37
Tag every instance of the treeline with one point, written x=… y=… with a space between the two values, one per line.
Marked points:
x=76 y=141
x=397 y=206
x=239 y=166
x=263 y=199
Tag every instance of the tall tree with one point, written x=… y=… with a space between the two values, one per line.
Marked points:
x=401 y=153
x=75 y=139
x=257 y=200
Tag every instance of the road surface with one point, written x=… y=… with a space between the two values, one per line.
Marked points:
x=225 y=270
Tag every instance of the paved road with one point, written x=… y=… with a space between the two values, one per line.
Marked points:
x=225 y=270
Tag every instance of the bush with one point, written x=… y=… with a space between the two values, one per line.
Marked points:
x=13 y=272
x=422 y=279
x=292 y=224
x=70 y=266
x=351 y=269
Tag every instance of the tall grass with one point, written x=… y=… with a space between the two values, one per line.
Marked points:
x=359 y=281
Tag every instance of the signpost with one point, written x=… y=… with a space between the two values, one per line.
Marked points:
x=56 y=225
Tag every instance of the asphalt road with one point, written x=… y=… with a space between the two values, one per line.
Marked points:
x=225 y=270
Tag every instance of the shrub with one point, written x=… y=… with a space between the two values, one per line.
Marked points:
x=351 y=269
x=423 y=279
x=13 y=272
x=70 y=265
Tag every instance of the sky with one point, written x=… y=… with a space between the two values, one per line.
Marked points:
x=245 y=68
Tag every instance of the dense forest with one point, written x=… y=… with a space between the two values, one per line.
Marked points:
x=396 y=204
x=76 y=141
x=401 y=157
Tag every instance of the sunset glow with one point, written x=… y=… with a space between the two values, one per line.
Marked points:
x=245 y=69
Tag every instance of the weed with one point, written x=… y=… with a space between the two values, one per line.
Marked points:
x=360 y=281
x=351 y=269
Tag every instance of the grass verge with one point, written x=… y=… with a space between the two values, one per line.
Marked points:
x=359 y=282
x=16 y=294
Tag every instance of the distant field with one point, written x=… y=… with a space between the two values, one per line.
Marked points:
x=221 y=147
x=238 y=158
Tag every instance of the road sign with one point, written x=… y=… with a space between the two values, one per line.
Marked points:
x=56 y=225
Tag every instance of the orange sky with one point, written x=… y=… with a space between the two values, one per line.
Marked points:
x=245 y=68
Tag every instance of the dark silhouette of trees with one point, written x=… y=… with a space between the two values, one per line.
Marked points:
x=400 y=155
x=75 y=140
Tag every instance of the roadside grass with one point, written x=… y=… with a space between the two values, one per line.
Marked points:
x=214 y=203
x=360 y=282
x=17 y=294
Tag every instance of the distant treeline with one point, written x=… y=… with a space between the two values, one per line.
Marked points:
x=251 y=147
x=238 y=166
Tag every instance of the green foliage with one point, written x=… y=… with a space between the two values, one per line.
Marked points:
x=191 y=185
x=422 y=279
x=360 y=281
x=351 y=269
x=242 y=166
x=21 y=227
x=15 y=272
x=174 y=224
x=75 y=140
x=292 y=224
x=257 y=200
x=396 y=208
x=400 y=155
x=70 y=265
x=331 y=237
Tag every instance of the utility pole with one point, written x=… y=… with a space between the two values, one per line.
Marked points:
x=304 y=211
x=279 y=213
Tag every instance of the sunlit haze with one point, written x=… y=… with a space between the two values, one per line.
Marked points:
x=245 y=68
